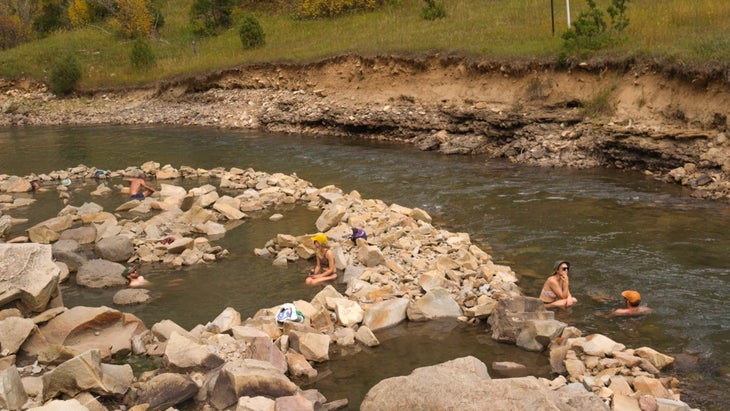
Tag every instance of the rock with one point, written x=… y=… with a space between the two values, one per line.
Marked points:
x=464 y=384
x=187 y=354
x=69 y=251
x=249 y=378
x=386 y=314
x=164 y=329
x=86 y=373
x=131 y=296
x=656 y=358
x=83 y=328
x=348 y=312
x=165 y=390
x=437 y=303
x=82 y=235
x=598 y=345
x=313 y=346
x=366 y=337
x=27 y=275
x=299 y=366
x=258 y=403
x=229 y=207
x=62 y=405
x=225 y=321
x=12 y=393
x=330 y=217
x=536 y=335
x=512 y=314
x=13 y=332
x=115 y=248
x=100 y=273
x=370 y=255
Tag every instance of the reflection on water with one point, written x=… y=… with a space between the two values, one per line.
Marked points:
x=620 y=230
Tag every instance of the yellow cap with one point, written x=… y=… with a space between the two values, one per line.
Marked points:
x=320 y=238
x=632 y=296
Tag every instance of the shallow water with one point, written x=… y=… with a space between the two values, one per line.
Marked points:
x=619 y=229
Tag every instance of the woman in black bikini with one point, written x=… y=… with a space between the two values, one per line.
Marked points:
x=325 y=269
x=556 y=292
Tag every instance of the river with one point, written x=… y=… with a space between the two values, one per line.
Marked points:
x=620 y=230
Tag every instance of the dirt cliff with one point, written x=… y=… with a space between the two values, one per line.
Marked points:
x=668 y=123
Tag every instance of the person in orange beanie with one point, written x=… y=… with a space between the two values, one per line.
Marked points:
x=633 y=305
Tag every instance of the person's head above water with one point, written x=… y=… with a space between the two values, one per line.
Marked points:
x=320 y=238
x=632 y=297
x=560 y=264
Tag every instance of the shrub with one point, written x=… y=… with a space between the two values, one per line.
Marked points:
x=51 y=16
x=78 y=13
x=590 y=32
x=141 y=56
x=11 y=31
x=65 y=75
x=207 y=16
x=433 y=10
x=251 y=33
x=134 y=18
x=331 y=8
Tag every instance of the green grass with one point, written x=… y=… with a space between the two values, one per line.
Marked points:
x=694 y=33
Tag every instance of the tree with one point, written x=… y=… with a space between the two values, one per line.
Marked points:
x=134 y=18
x=207 y=16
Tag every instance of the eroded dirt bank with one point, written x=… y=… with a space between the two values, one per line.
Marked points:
x=673 y=126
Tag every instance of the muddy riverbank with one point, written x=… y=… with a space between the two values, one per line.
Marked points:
x=629 y=115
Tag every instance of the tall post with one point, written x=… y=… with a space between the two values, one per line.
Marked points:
x=552 y=15
x=567 y=7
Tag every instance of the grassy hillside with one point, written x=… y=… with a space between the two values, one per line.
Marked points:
x=672 y=31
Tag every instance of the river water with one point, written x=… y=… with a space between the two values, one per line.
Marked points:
x=621 y=230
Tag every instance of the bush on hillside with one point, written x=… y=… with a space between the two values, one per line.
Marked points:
x=12 y=32
x=590 y=32
x=207 y=16
x=433 y=10
x=65 y=75
x=50 y=16
x=312 y=9
x=251 y=33
x=134 y=18
x=141 y=56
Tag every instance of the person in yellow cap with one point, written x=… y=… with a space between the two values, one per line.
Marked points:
x=633 y=305
x=324 y=270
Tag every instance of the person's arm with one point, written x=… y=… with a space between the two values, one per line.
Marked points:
x=147 y=187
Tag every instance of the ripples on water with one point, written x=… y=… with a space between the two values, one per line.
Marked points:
x=620 y=230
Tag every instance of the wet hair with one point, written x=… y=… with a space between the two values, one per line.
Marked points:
x=634 y=304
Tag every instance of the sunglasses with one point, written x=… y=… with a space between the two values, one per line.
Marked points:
x=564 y=268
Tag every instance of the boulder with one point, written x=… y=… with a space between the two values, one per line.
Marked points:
x=330 y=217
x=386 y=314
x=69 y=251
x=185 y=353
x=249 y=378
x=27 y=275
x=464 y=384
x=62 y=405
x=82 y=235
x=131 y=296
x=13 y=332
x=511 y=315
x=100 y=273
x=165 y=390
x=313 y=346
x=115 y=248
x=12 y=393
x=85 y=372
x=437 y=303
x=83 y=328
